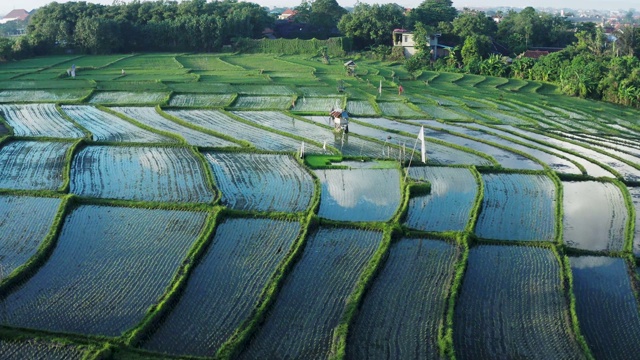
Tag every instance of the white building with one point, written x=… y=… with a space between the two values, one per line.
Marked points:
x=404 y=38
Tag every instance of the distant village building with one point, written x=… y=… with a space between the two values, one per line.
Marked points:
x=17 y=14
x=288 y=14
x=404 y=38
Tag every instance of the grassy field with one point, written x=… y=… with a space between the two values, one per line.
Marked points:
x=204 y=206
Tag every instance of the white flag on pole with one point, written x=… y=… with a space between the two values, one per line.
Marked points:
x=324 y=146
x=424 y=149
x=302 y=150
x=380 y=88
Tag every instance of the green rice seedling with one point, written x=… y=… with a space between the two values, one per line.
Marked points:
x=201 y=100
x=469 y=80
x=510 y=278
x=164 y=174
x=21 y=239
x=510 y=200
x=262 y=102
x=105 y=286
x=220 y=122
x=514 y=85
x=39 y=120
x=261 y=182
x=606 y=306
x=39 y=349
x=491 y=83
x=309 y=304
x=361 y=108
x=403 y=309
x=127 y=97
x=33 y=165
x=224 y=288
x=151 y=118
x=107 y=127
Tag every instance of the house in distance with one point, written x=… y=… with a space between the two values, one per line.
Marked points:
x=17 y=14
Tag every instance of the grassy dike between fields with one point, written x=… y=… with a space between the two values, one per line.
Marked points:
x=272 y=130
x=44 y=251
x=66 y=170
x=340 y=332
x=87 y=134
x=182 y=122
x=167 y=134
x=559 y=210
x=630 y=227
x=231 y=348
x=238 y=341
x=464 y=240
x=445 y=332
x=391 y=231
x=567 y=282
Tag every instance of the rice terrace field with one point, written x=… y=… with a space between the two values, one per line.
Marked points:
x=203 y=207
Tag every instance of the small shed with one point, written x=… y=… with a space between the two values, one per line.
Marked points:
x=350 y=66
x=340 y=120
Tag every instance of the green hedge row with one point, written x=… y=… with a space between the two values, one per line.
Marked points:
x=334 y=46
x=28 y=269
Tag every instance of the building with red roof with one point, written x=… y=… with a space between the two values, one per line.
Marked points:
x=287 y=14
x=17 y=14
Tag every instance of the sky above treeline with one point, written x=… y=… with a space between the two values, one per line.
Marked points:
x=7 y=5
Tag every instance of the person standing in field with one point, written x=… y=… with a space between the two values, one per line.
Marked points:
x=400 y=89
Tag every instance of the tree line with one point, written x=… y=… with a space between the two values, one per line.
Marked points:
x=591 y=64
x=195 y=25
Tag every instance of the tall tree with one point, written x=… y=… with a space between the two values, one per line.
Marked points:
x=97 y=35
x=370 y=25
x=528 y=28
x=162 y=25
x=6 y=49
x=322 y=15
x=431 y=12
x=473 y=22
x=325 y=14
x=627 y=40
x=475 y=48
x=581 y=77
